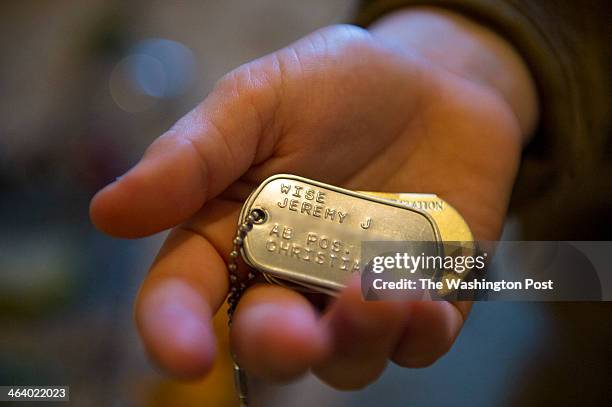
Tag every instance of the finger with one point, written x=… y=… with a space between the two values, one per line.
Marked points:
x=363 y=335
x=185 y=286
x=276 y=334
x=431 y=330
x=173 y=320
x=197 y=159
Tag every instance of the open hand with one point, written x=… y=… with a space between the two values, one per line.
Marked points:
x=340 y=106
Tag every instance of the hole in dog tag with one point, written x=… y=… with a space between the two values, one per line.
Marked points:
x=312 y=232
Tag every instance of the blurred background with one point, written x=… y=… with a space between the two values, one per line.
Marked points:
x=85 y=87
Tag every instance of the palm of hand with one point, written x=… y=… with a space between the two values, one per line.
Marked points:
x=339 y=107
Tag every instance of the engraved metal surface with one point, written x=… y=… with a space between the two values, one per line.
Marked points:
x=312 y=231
x=451 y=225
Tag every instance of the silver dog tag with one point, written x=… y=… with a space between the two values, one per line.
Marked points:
x=310 y=233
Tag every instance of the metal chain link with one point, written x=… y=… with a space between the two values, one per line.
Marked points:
x=236 y=289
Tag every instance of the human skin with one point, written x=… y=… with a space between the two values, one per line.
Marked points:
x=425 y=101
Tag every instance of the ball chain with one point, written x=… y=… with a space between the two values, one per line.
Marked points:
x=237 y=286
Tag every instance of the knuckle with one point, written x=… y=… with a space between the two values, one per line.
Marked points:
x=255 y=83
x=237 y=82
x=344 y=34
x=342 y=40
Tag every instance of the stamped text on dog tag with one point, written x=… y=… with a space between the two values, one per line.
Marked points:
x=310 y=233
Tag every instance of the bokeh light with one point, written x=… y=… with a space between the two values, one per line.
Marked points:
x=154 y=69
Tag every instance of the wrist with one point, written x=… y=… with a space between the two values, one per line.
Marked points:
x=467 y=49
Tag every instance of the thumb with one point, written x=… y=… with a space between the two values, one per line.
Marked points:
x=198 y=158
